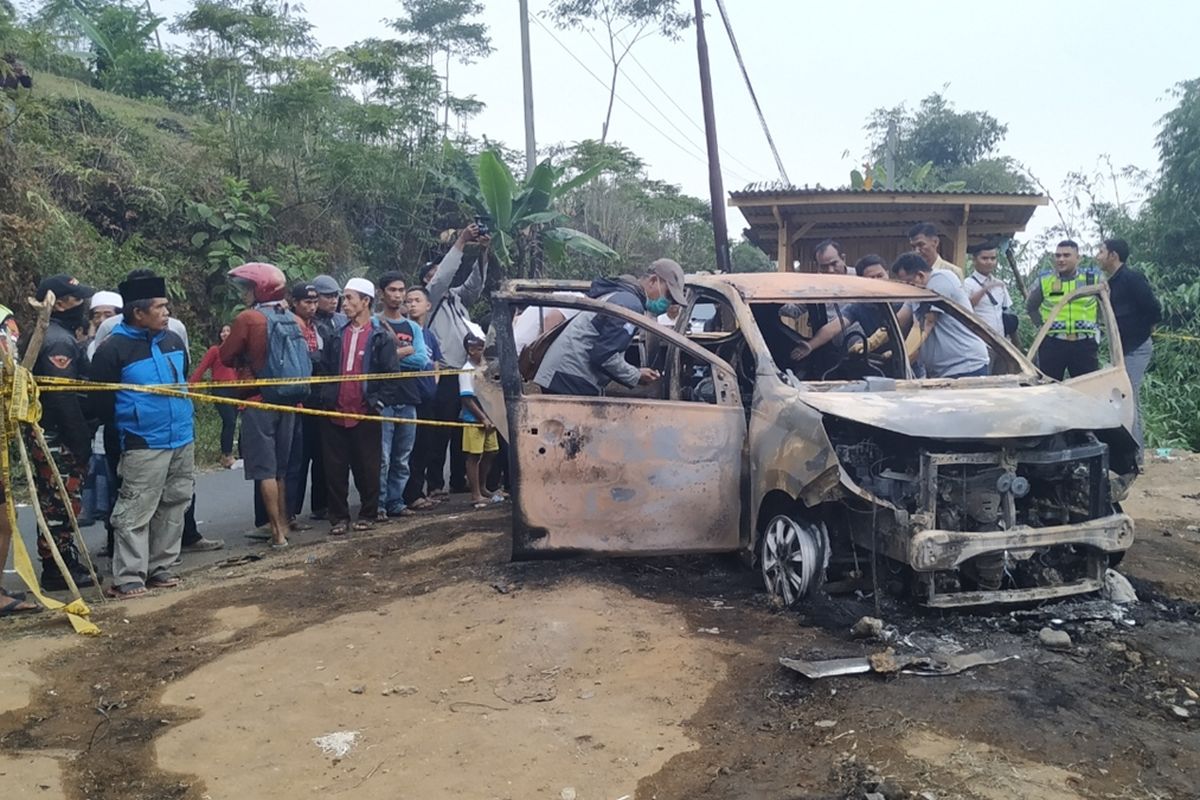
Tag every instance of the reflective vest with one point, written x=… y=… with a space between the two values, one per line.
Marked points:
x=1077 y=317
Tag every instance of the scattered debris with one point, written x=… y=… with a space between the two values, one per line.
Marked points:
x=884 y=662
x=938 y=665
x=1180 y=712
x=867 y=628
x=568 y=793
x=825 y=723
x=1133 y=657
x=1054 y=639
x=1118 y=589
x=399 y=691
x=712 y=631
x=337 y=744
x=237 y=561
x=359 y=689
x=828 y=668
x=466 y=679
x=926 y=665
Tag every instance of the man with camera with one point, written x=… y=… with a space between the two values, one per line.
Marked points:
x=450 y=322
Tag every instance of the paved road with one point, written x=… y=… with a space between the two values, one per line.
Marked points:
x=224 y=510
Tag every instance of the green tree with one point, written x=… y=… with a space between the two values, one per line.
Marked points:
x=445 y=28
x=624 y=23
x=959 y=146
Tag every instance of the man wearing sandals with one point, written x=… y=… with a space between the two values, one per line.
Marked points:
x=156 y=433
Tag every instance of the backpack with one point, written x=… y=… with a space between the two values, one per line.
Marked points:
x=287 y=358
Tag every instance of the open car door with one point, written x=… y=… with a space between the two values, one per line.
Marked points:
x=655 y=470
x=1110 y=383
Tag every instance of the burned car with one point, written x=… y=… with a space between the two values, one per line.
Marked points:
x=823 y=464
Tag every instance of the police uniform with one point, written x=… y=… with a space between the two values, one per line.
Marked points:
x=1071 y=344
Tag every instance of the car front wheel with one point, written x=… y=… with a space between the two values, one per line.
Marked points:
x=793 y=556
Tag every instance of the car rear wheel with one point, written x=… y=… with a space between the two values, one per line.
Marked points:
x=792 y=557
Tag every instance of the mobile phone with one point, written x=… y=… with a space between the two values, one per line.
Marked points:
x=482 y=221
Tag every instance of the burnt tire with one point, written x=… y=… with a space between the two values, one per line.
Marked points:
x=793 y=555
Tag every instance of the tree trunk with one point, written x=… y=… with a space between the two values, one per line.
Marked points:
x=612 y=95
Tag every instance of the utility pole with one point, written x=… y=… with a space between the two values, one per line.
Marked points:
x=527 y=74
x=716 y=188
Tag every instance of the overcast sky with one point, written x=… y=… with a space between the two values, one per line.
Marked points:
x=1072 y=80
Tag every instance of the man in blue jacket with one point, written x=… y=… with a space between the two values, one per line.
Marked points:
x=157 y=460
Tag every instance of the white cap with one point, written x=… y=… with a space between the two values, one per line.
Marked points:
x=362 y=286
x=107 y=299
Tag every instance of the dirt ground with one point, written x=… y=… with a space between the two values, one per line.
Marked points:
x=419 y=663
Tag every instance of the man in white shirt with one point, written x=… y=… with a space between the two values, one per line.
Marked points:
x=989 y=296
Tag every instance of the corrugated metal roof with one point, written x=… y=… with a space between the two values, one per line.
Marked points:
x=769 y=189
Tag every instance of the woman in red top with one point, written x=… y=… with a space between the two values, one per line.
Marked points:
x=229 y=413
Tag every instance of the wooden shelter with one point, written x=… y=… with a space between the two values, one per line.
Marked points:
x=787 y=223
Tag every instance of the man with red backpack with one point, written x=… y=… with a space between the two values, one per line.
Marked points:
x=267 y=342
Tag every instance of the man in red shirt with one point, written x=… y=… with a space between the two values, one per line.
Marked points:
x=362 y=345
x=266 y=435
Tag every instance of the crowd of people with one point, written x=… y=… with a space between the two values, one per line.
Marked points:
x=127 y=457
x=1072 y=344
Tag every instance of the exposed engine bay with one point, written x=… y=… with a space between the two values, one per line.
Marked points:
x=1000 y=491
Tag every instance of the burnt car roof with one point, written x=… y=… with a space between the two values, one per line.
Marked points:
x=788 y=286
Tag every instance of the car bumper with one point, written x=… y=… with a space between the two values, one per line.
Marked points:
x=933 y=550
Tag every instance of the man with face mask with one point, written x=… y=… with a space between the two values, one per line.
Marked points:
x=590 y=351
x=68 y=435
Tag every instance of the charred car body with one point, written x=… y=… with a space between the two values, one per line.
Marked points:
x=963 y=491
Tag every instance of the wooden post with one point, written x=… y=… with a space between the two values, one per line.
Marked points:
x=716 y=188
x=783 y=247
x=527 y=79
x=960 y=240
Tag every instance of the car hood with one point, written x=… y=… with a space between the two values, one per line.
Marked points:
x=981 y=413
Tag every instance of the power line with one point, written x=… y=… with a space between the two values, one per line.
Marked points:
x=663 y=114
x=746 y=75
x=701 y=158
x=684 y=112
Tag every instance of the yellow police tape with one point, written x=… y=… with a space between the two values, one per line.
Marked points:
x=197 y=391
x=19 y=394
x=1180 y=336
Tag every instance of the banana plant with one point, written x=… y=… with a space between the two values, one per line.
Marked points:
x=524 y=221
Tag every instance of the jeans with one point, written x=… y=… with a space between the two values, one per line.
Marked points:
x=228 y=415
x=96 y=502
x=397 y=443
x=1136 y=362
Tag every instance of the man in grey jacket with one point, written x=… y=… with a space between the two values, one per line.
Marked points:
x=450 y=322
x=590 y=351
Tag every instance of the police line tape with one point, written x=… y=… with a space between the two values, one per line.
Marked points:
x=190 y=392
x=1180 y=336
x=51 y=384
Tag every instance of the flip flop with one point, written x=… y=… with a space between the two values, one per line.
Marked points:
x=338 y=530
x=126 y=591
x=257 y=535
x=280 y=545
x=297 y=525
x=11 y=609
x=162 y=582
x=480 y=506
x=363 y=525
x=13 y=595
x=422 y=504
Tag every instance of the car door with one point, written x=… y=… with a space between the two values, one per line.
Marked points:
x=1110 y=383
x=647 y=472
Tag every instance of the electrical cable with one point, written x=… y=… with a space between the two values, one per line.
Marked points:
x=749 y=86
x=701 y=158
x=686 y=115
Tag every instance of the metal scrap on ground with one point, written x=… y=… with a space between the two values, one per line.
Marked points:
x=888 y=662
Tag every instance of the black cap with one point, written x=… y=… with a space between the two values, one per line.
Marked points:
x=303 y=290
x=64 y=286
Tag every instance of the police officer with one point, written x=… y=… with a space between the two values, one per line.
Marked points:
x=68 y=434
x=1071 y=344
